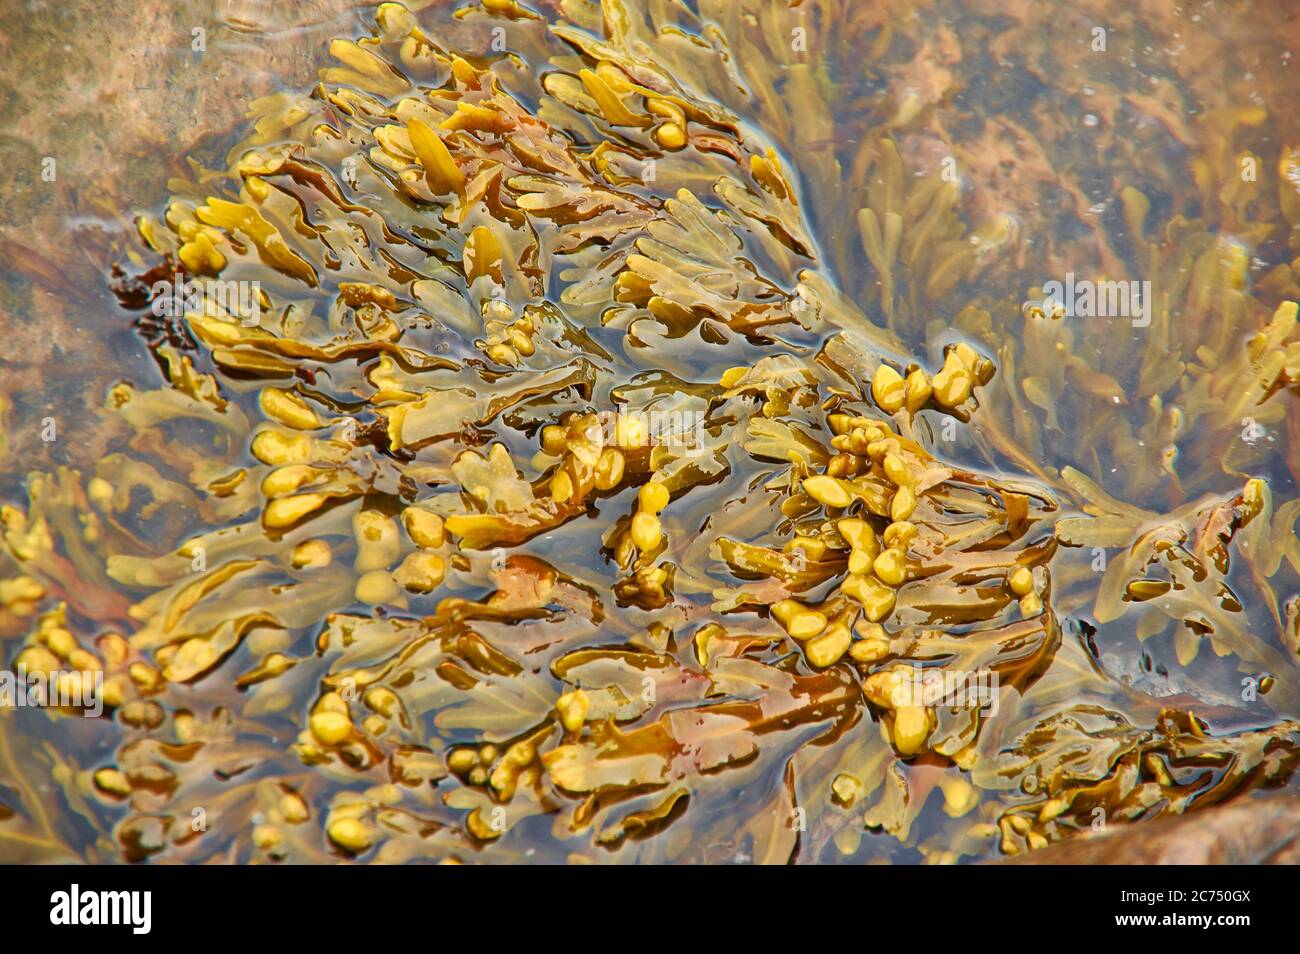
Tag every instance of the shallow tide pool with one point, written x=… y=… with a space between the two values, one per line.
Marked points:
x=704 y=431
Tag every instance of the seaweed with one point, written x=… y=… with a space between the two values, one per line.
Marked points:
x=552 y=464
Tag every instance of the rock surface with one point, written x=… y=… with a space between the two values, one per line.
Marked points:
x=1251 y=832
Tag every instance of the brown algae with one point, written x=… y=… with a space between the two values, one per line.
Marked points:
x=557 y=484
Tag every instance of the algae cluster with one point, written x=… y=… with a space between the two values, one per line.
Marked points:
x=609 y=439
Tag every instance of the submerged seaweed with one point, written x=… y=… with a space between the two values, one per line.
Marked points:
x=582 y=481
